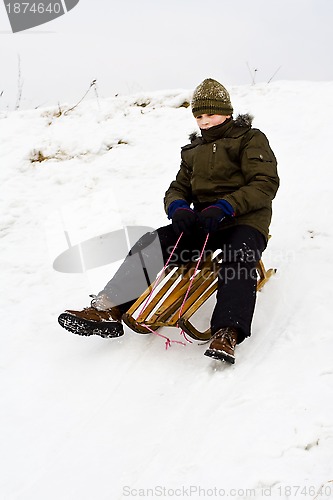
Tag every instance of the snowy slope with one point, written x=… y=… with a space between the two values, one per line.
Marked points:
x=86 y=418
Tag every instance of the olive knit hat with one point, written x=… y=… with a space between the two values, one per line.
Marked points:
x=211 y=98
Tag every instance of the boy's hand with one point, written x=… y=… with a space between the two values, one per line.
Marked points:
x=211 y=216
x=183 y=220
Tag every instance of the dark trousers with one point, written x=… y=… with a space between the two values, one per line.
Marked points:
x=241 y=248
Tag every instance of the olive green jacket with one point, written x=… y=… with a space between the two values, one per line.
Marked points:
x=238 y=167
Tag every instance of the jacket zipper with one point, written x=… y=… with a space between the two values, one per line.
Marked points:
x=212 y=160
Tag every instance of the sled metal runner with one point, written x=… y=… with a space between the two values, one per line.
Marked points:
x=166 y=307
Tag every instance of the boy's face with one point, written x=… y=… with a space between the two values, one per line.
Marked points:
x=206 y=121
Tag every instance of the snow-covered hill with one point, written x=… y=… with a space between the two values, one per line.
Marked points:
x=89 y=418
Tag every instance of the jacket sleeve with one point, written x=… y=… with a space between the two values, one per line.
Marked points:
x=258 y=165
x=180 y=188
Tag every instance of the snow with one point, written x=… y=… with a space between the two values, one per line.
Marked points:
x=87 y=418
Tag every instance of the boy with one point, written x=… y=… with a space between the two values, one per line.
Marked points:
x=224 y=188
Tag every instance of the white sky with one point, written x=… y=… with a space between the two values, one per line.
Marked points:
x=131 y=46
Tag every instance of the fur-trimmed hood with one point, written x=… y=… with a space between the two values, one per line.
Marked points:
x=244 y=120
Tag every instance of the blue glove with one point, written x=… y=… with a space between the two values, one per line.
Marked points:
x=211 y=216
x=183 y=217
x=176 y=204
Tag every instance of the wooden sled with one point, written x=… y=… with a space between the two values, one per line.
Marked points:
x=165 y=305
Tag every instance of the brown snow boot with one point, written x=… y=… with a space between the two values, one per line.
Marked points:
x=223 y=345
x=93 y=320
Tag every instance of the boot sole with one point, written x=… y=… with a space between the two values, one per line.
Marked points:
x=85 y=328
x=220 y=355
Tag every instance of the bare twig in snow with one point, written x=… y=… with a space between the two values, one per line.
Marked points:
x=19 y=85
x=253 y=75
x=271 y=78
x=93 y=84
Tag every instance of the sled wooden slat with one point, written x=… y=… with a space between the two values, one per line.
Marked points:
x=166 y=308
x=163 y=292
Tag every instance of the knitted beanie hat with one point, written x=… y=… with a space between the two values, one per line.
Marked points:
x=211 y=98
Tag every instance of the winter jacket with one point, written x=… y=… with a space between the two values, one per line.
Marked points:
x=239 y=167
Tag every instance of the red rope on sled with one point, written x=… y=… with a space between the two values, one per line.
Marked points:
x=190 y=285
x=160 y=276
x=168 y=341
